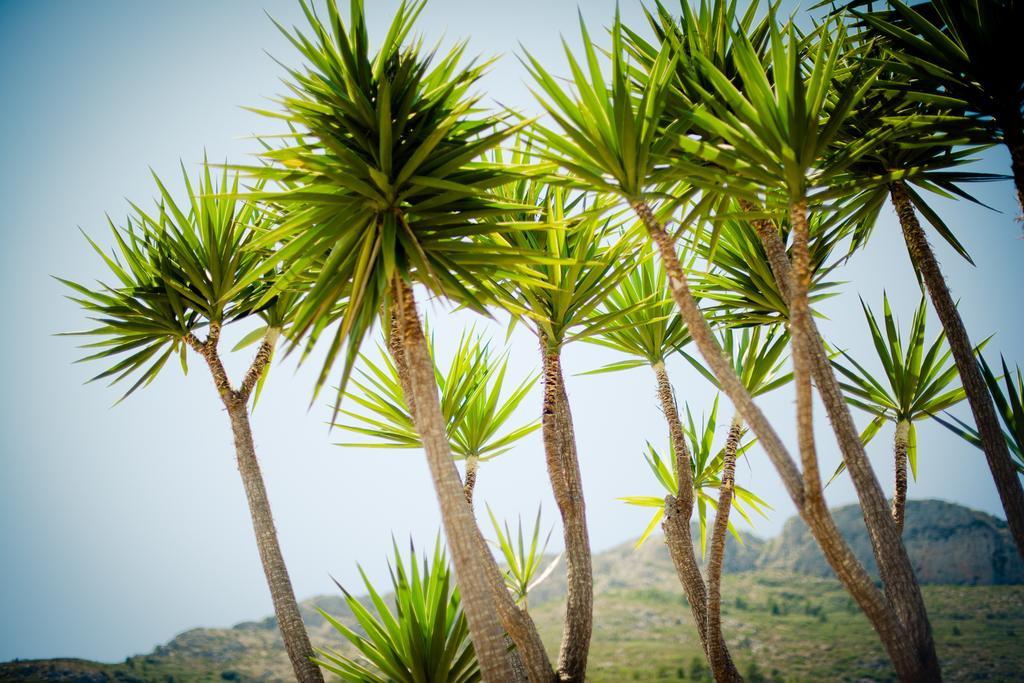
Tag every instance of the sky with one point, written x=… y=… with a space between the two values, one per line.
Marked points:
x=121 y=526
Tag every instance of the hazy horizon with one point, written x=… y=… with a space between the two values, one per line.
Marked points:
x=124 y=526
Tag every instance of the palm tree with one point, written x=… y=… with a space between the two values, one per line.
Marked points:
x=472 y=400
x=587 y=258
x=385 y=189
x=912 y=157
x=917 y=385
x=180 y=269
x=614 y=140
x=962 y=54
x=650 y=329
x=711 y=472
x=757 y=356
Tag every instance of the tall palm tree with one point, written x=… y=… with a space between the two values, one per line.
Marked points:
x=917 y=384
x=772 y=143
x=964 y=54
x=385 y=189
x=588 y=257
x=473 y=400
x=178 y=270
x=614 y=139
x=918 y=155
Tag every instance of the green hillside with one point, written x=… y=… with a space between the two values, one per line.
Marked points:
x=781 y=625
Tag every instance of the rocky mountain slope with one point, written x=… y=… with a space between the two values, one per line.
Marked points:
x=783 y=612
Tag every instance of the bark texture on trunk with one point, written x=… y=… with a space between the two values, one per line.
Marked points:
x=286 y=608
x=718 y=653
x=818 y=518
x=899 y=489
x=460 y=526
x=566 y=484
x=993 y=443
x=901 y=587
x=471 y=557
x=472 y=462
x=678 y=534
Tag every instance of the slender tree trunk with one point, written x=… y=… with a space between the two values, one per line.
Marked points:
x=472 y=462
x=457 y=517
x=678 y=534
x=901 y=587
x=899 y=490
x=992 y=441
x=718 y=653
x=567 y=486
x=842 y=560
x=1015 y=144
x=286 y=608
x=480 y=581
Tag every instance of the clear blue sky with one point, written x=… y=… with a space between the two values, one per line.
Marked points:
x=123 y=526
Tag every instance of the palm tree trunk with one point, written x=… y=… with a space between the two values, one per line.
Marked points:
x=1015 y=144
x=718 y=653
x=286 y=608
x=899 y=491
x=485 y=598
x=678 y=534
x=566 y=484
x=992 y=441
x=460 y=526
x=842 y=560
x=472 y=462
x=901 y=586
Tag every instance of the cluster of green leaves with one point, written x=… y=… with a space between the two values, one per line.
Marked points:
x=426 y=638
x=1010 y=404
x=523 y=560
x=586 y=256
x=384 y=177
x=959 y=54
x=473 y=401
x=706 y=464
x=649 y=326
x=739 y=282
x=918 y=382
x=757 y=355
x=177 y=269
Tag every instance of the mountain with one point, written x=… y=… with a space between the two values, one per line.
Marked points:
x=784 y=614
x=947 y=544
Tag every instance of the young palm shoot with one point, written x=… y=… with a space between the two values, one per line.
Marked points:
x=918 y=383
x=524 y=560
x=739 y=283
x=180 y=269
x=1010 y=402
x=426 y=638
x=588 y=257
x=386 y=189
x=474 y=401
x=712 y=473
